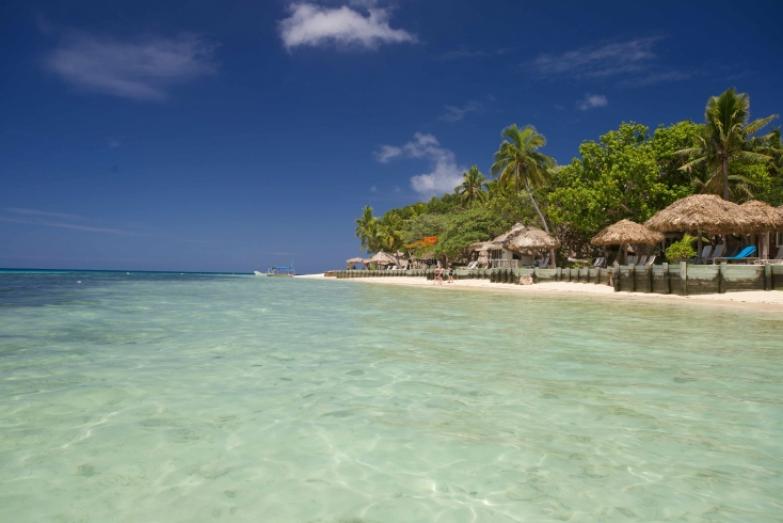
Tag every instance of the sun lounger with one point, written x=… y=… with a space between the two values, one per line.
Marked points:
x=717 y=252
x=650 y=261
x=472 y=265
x=599 y=262
x=746 y=254
x=642 y=260
x=779 y=255
x=706 y=254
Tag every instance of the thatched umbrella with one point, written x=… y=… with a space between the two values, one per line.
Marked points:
x=383 y=258
x=701 y=213
x=350 y=262
x=626 y=232
x=765 y=219
x=763 y=216
x=530 y=239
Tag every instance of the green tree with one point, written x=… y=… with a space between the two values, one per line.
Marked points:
x=619 y=176
x=472 y=188
x=464 y=228
x=727 y=137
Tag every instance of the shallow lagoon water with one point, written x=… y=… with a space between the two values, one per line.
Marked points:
x=179 y=398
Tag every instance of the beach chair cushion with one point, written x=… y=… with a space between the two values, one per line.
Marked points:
x=746 y=252
x=750 y=250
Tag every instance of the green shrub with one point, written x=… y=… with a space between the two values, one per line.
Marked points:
x=681 y=250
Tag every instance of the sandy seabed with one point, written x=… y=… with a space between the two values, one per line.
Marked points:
x=766 y=300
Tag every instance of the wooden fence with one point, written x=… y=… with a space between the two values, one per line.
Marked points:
x=683 y=278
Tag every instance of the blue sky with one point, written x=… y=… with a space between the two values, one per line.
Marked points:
x=234 y=135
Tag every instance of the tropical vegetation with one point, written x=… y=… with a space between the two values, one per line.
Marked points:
x=629 y=172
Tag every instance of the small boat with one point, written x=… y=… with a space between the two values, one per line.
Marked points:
x=281 y=270
x=259 y=273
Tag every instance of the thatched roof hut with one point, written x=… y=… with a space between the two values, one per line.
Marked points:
x=529 y=239
x=484 y=246
x=497 y=243
x=626 y=232
x=503 y=238
x=350 y=262
x=383 y=258
x=706 y=213
x=763 y=216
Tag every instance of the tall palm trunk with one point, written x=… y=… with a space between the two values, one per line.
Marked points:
x=725 y=176
x=541 y=217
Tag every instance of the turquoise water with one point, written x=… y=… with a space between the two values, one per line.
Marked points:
x=180 y=398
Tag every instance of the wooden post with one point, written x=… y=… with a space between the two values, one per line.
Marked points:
x=616 y=278
x=667 y=278
x=768 y=283
x=721 y=284
x=684 y=277
x=649 y=279
x=633 y=278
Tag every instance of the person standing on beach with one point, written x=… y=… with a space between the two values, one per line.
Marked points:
x=439 y=275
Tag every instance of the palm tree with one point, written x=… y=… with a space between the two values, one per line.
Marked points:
x=366 y=228
x=472 y=187
x=727 y=136
x=519 y=163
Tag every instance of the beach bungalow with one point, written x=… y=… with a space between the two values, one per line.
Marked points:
x=516 y=247
x=351 y=263
x=493 y=254
x=529 y=242
x=383 y=259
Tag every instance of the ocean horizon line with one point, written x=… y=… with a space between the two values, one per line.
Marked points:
x=147 y=271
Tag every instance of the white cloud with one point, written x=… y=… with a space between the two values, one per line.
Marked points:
x=456 y=113
x=599 y=61
x=657 y=77
x=592 y=101
x=445 y=173
x=141 y=68
x=42 y=214
x=313 y=25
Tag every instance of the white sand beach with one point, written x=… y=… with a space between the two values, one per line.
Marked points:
x=768 y=300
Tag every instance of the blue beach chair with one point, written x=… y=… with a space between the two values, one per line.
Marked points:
x=746 y=254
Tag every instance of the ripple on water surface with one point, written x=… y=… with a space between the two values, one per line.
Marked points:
x=148 y=397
